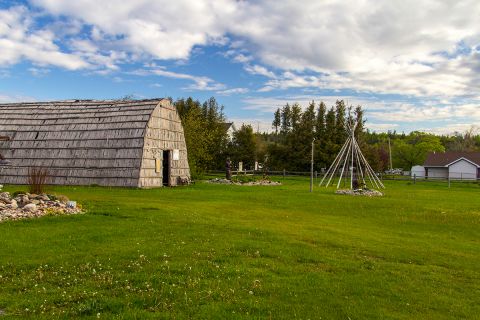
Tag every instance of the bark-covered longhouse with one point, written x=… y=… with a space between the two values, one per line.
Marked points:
x=84 y=142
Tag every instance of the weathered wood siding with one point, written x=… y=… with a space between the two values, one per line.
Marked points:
x=80 y=142
x=164 y=133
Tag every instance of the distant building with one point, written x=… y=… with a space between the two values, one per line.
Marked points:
x=230 y=129
x=418 y=172
x=453 y=165
x=137 y=143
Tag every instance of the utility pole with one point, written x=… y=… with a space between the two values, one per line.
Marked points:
x=390 y=154
x=311 y=168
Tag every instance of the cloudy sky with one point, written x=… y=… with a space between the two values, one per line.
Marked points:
x=412 y=64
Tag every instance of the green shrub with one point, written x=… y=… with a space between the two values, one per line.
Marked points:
x=244 y=179
x=16 y=193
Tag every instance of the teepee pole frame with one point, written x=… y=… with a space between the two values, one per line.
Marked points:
x=350 y=158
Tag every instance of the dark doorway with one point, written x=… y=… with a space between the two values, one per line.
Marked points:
x=166 y=168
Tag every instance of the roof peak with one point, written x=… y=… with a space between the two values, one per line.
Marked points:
x=448 y=157
x=85 y=101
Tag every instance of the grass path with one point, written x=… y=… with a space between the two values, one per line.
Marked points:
x=228 y=252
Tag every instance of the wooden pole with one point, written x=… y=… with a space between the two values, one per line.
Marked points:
x=390 y=154
x=311 y=168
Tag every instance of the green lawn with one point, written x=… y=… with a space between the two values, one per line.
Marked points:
x=228 y=252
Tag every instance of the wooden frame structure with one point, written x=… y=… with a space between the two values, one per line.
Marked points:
x=351 y=164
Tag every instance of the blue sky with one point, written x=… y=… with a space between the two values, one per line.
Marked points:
x=413 y=65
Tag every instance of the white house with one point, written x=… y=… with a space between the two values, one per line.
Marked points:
x=453 y=165
x=230 y=129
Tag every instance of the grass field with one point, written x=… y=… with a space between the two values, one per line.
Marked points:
x=230 y=252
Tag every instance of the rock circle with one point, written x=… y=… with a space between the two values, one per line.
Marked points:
x=360 y=192
x=262 y=182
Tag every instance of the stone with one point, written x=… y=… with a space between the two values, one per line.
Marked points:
x=22 y=200
x=30 y=207
x=71 y=204
x=13 y=204
x=5 y=195
x=43 y=197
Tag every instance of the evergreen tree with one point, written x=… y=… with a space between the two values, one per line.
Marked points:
x=330 y=146
x=296 y=115
x=286 y=119
x=276 y=120
x=320 y=121
x=340 y=116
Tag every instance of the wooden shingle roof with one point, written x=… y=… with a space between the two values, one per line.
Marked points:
x=76 y=138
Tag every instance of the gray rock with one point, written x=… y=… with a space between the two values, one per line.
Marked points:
x=43 y=197
x=30 y=207
x=13 y=204
x=23 y=200
x=5 y=195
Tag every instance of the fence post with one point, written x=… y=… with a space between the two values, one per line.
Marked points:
x=284 y=173
x=414 y=178
x=449 y=179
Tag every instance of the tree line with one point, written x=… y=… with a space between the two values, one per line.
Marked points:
x=288 y=145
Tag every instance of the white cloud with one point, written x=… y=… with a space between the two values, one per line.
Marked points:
x=199 y=82
x=229 y=92
x=450 y=129
x=162 y=29
x=406 y=112
x=18 y=41
x=241 y=58
x=259 y=70
x=422 y=48
x=7 y=98
x=39 y=72
x=258 y=124
x=381 y=127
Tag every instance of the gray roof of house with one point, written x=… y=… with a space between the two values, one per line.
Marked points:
x=442 y=159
